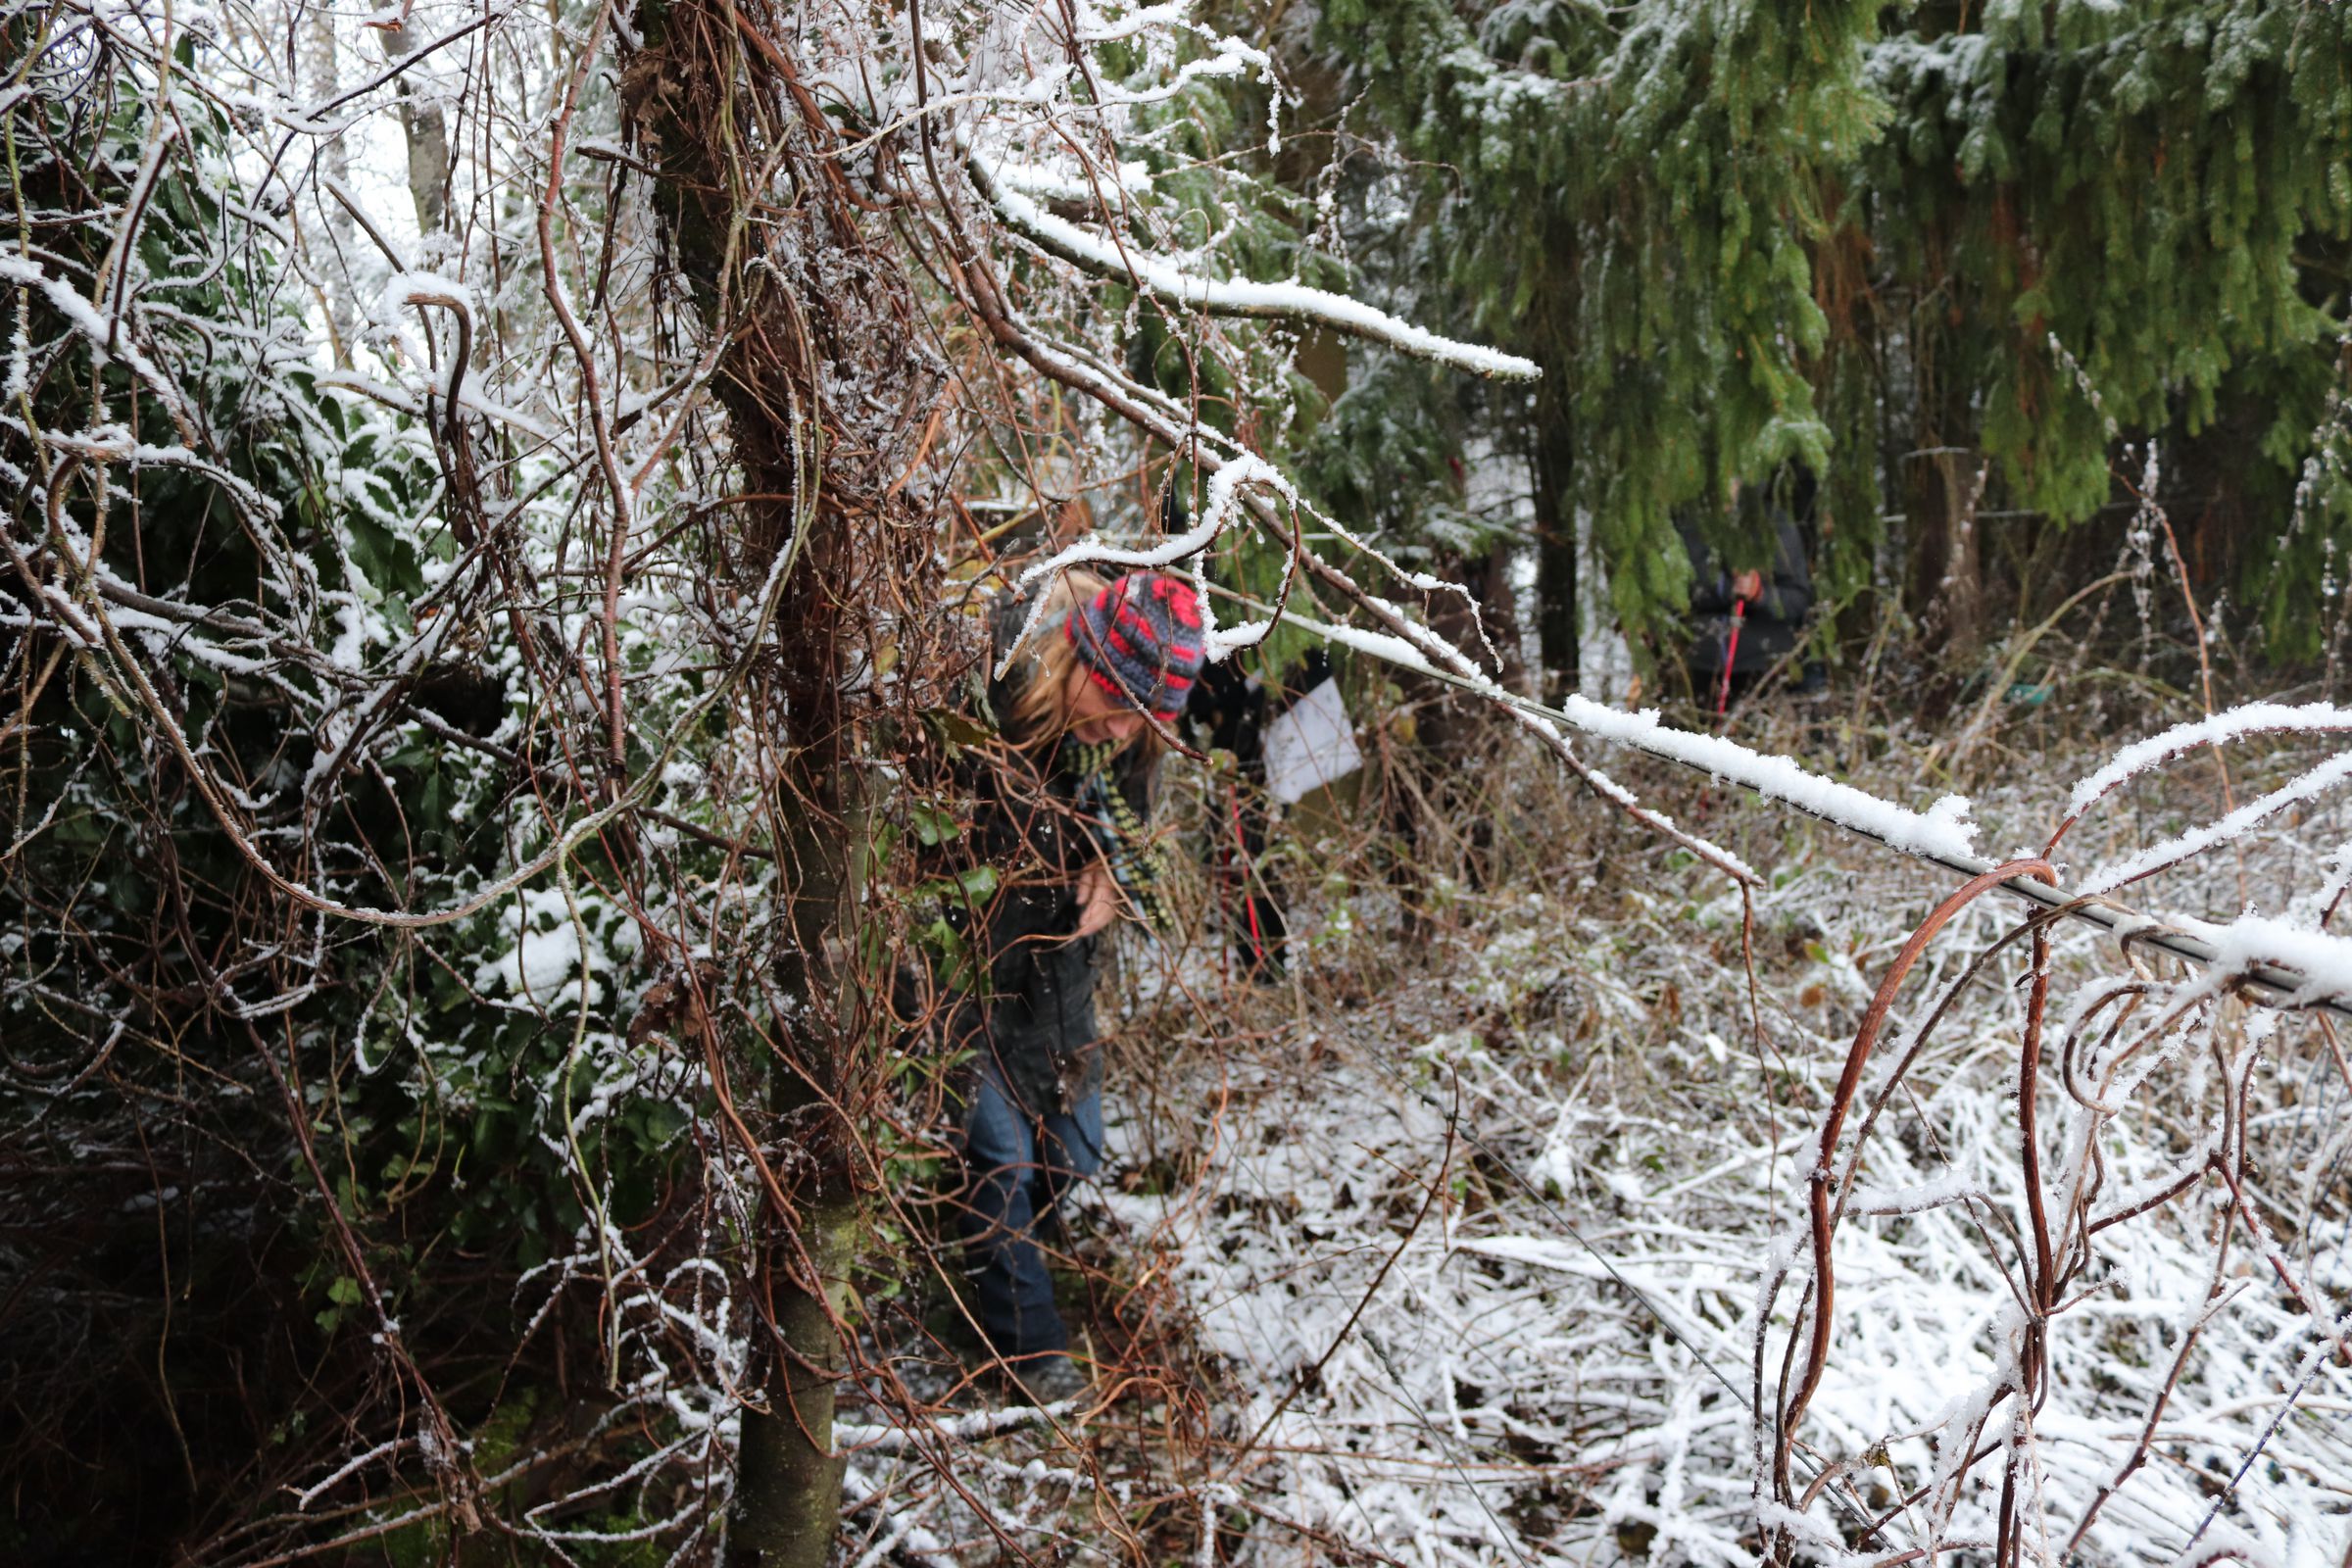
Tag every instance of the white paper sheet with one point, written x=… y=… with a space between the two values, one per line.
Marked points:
x=1310 y=745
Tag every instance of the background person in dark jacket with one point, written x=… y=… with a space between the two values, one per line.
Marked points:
x=1771 y=606
x=1060 y=817
x=1229 y=712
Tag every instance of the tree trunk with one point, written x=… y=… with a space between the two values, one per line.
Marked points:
x=1947 y=577
x=778 y=327
x=1558 y=651
x=787 y=1479
x=323 y=77
x=426 y=130
x=1498 y=608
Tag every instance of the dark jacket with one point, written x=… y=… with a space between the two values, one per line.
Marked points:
x=1036 y=825
x=1230 y=709
x=1770 y=626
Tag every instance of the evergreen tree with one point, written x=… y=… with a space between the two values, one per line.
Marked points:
x=1662 y=168
x=2085 y=226
x=1954 y=270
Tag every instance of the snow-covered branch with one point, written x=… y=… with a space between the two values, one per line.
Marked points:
x=1294 y=303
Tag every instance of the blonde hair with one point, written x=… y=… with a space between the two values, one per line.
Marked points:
x=1040 y=712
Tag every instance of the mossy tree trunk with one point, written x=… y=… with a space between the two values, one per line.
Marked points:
x=788 y=1478
x=738 y=151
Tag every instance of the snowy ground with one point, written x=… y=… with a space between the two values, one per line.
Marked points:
x=1474 y=1232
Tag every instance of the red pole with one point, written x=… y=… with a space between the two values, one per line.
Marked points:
x=1731 y=651
x=1241 y=842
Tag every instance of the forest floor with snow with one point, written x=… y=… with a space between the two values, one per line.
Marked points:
x=1452 y=1247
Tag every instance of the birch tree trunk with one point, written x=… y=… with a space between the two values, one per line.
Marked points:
x=425 y=130
x=323 y=77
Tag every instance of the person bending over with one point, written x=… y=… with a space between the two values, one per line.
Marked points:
x=1060 y=814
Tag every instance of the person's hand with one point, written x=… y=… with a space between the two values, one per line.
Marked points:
x=1098 y=898
x=1748 y=586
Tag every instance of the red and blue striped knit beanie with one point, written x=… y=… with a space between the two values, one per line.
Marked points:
x=1143 y=641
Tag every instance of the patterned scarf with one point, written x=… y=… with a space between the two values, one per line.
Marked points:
x=1137 y=860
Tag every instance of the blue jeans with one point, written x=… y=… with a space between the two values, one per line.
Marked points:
x=1017 y=1166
